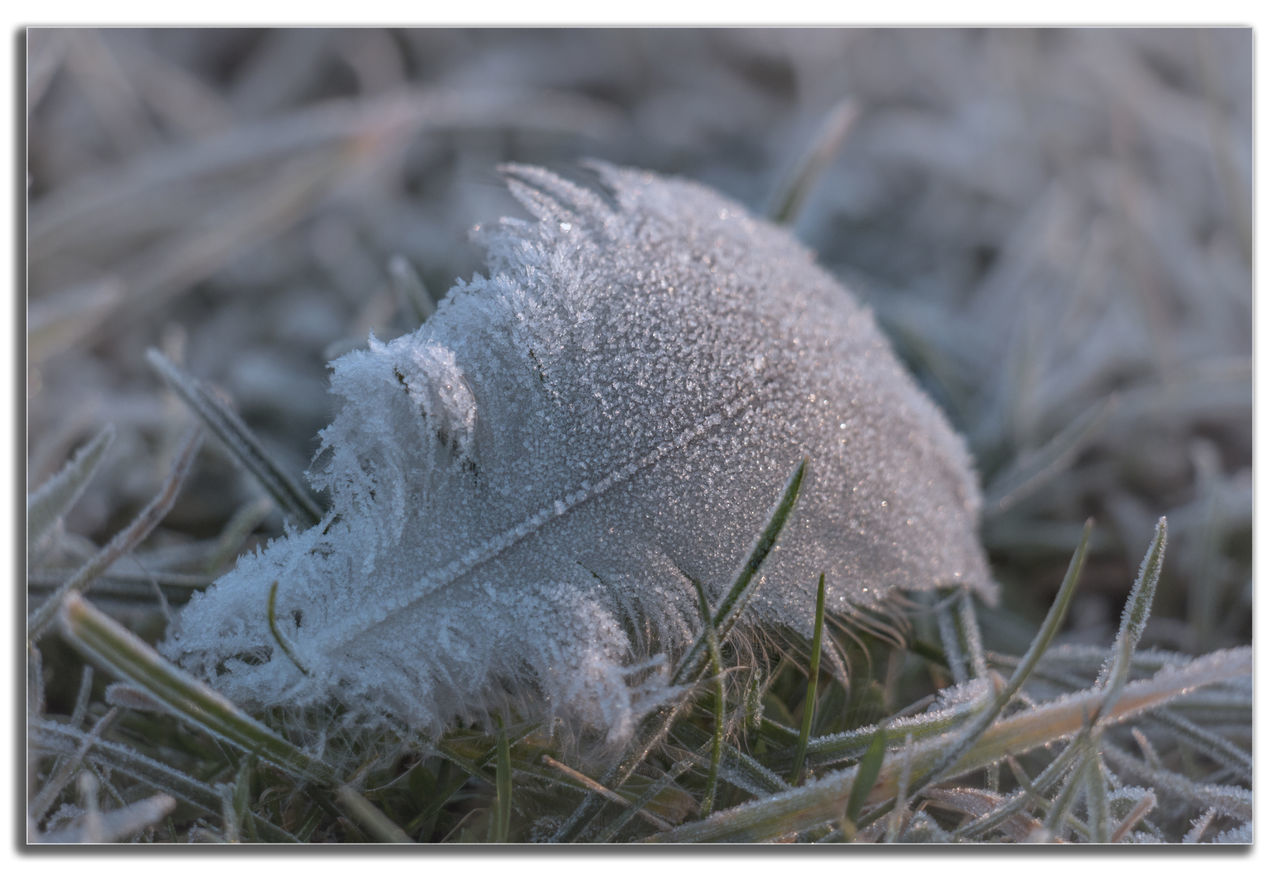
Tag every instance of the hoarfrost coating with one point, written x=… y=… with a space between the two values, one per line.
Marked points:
x=523 y=487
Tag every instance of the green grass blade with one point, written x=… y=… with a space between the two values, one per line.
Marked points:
x=824 y=799
x=971 y=636
x=55 y=497
x=122 y=542
x=736 y=597
x=786 y=201
x=811 y=691
x=696 y=657
x=1048 y=629
x=123 y=653
x=717 y=702
x=69 y=765
x=240 y=441
x=641 y=802
x=1057 y=819
x=445 y=791
x=601 y=790
x=736 y=767
x=863 y=782
x=1215 y=746
x=1096 y=795
x=502 y=782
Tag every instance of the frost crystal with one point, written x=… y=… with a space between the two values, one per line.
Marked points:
x=523 y=487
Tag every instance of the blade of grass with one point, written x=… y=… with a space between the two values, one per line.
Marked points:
x=114 y=825
x=1135 y=815
x=961 y=640
x=823 y=800
x=1033 y=791
x=736 y=597
x=124 y=654
x=987 y=714
x=69 y=765
x=56 y=496
x=811 y=691
x=371 y=819
x=1040 y=466
x=637 y=807
x=502 y=783
x=717 y=702
x=426 y=821
x=123 y=541
x=971 y=636
x=1058 y=817
x=230 y=817
x=1048 y=629
x=736 y=767
x=1215 y=746
x=275 y=630
x=850 y=745
x=1232 y=800
x=863 y=782
x=240 y=796
x=695 y=658
x=789 y=196
x=82 y=696
x=603 y=791
x=62 y=739
x=1096 y=796
x=1085 y=755
x=1137 y=609
x=239 y=440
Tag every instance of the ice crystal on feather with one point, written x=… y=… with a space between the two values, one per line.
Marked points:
x=523 y=487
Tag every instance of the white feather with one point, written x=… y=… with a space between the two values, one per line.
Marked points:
x=522 y=487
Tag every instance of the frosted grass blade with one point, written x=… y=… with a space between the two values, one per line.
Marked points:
x=823 y=800
x=56 y=496
x=123 y=541
x=53 y=737
x=370 y=818
x=1048 y=629
x=107 y=642
x=239 y=440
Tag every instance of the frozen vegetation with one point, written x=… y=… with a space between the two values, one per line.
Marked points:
x=564 y=575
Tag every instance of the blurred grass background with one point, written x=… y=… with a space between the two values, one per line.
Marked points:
x=1054 y=226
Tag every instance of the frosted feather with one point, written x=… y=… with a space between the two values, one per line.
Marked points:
x=523 y=487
